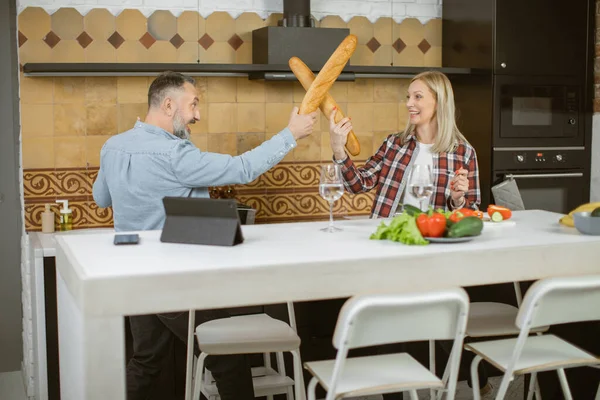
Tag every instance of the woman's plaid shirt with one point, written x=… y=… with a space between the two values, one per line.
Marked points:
x=385 y=170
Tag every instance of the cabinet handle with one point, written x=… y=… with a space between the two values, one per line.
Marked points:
x=503 y=65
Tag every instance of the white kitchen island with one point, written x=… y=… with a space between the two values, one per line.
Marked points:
x=99 y=283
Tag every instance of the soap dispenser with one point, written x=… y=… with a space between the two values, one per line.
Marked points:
x=47 y=220
x=66 y=216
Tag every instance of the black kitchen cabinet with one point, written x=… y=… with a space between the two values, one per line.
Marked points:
x=517 y=37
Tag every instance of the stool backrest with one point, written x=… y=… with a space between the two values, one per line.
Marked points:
x=381 y=319
x=560 y=300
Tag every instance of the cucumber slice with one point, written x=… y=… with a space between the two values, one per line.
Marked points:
x=496 y=217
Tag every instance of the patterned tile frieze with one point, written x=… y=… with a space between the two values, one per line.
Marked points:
x=288 y=192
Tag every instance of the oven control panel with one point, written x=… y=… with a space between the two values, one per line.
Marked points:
x=555 y=158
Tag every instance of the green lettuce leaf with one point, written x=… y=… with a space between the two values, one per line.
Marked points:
x=403 y=228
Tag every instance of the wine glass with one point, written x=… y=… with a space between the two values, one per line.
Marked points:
x=420 y=183
x=331 y=188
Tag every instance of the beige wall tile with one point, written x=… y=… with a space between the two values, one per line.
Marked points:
x=362 y=117
x=34 y=23
x=188 y=53
x=384 y=56
x=433 y=32
x=69 y=152
x=219 y=52
x=223 y=143
x=246 y=23
x=38 y=153
x=162 y=52
x=189 y=24
x=279 y=92
x=101 y=119
x=35 y=50
x=93 y=145
x=362 y=28
x=131 y=24
x=273 y=19
x=251 y=117
x=333 y=21
x=326 y=152
x=250 y=91
x=201 y=127
x=402 y=116
x=100 y=51
x=162 y=25
x=132 y=89
x=277 y=117
x=411 y=56
x=411 y=31
x=222 y=118
x=360 y=90
x=201 y=141
x=132 y=51
x=68 y=51
x=362 y=56
x=70 y=119
x=433 y=57
x=366 y=146
x=309 y=148
x=67 y=23
x=385 y=117
x=38 y=90
x=248 y=141
x=128 y=114
x=383 y=31
x=298 y=92
x=69 y=90
x=100 y=24
x=339 y=91
x=221 y=90
x=101 y=90
x=220 y=26
x=243 y=55
x=387 y=90
x=37 y=120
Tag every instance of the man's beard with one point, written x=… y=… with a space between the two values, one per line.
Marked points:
x=180 y=128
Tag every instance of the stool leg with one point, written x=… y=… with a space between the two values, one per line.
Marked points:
x=282 y=372
x=532 y=384
x=475 y=378
x=190 y=353
x=312 y=386
x=198 y=379
x=565 y=385
x=431 y=366
x=413 y=394
x=298 y=377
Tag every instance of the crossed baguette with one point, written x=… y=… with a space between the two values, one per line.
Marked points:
x=317 y=95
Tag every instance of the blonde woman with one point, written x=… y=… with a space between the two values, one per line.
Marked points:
x=431 y=138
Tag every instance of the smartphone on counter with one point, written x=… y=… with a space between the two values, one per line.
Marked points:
x=133 y=238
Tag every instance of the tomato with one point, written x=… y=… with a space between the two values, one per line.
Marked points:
x=505 y=212
x=431 y=226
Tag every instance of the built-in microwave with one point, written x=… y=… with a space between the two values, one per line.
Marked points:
x=538 y=111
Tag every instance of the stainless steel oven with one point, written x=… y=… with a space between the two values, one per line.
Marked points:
x=552 y=179
x=538 y=111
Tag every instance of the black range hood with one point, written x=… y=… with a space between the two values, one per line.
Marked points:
x=297 y=36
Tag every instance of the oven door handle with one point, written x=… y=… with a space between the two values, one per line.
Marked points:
x=543 y=176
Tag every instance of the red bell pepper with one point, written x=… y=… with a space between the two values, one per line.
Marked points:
x=431 y=226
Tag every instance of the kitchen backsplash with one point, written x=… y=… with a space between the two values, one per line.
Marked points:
x=66 y=120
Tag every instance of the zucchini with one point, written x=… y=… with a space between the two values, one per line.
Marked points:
x=596 y=212
x=468 y=226
x=412 y=210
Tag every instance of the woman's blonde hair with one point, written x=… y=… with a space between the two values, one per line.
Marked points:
x=448 y=136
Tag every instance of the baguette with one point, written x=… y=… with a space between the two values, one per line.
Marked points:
x=306 y=78
x=329 y=73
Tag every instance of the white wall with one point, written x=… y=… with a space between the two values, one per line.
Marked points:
x=372 y=9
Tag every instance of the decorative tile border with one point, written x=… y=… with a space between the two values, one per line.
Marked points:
x=99 y=36
x=288 y=192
